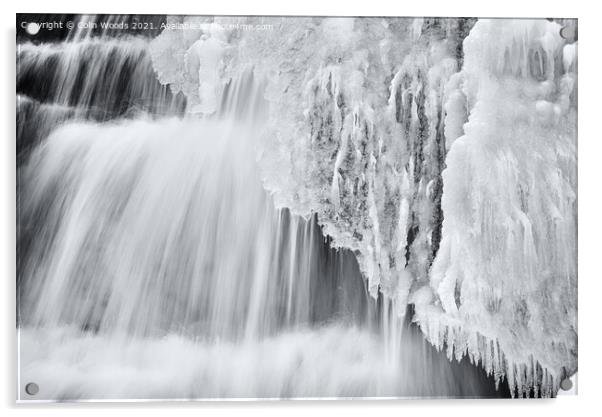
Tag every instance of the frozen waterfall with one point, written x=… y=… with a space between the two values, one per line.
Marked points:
x=318 y=207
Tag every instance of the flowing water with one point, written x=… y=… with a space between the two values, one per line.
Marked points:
x=153 y=263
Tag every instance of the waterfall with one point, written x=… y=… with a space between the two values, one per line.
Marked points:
x=91 y=78
x=156 y=236
x=157 y=257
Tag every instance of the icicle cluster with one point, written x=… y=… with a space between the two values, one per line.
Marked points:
x=505 y=276
x=355 y=130
x=447 y=164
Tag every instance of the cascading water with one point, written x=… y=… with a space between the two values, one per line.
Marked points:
x=169 y=249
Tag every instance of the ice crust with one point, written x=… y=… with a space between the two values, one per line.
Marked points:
x=442 y=151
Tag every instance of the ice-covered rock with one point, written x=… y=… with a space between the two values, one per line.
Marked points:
x=505 y=275
x=443 y=154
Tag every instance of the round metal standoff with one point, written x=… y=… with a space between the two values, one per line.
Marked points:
x=32 y=388
x=566 y=384
x=569 y=33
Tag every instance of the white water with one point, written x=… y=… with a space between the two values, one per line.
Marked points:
x=164 y=271
x=327 y=362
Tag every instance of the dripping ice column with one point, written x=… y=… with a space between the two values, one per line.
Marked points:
x=505 y=274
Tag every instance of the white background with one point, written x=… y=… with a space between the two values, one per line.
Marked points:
x=589 y=399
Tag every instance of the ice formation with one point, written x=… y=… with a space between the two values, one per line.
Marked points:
x=156 y=266
x=441 y=151
x=505 y=274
